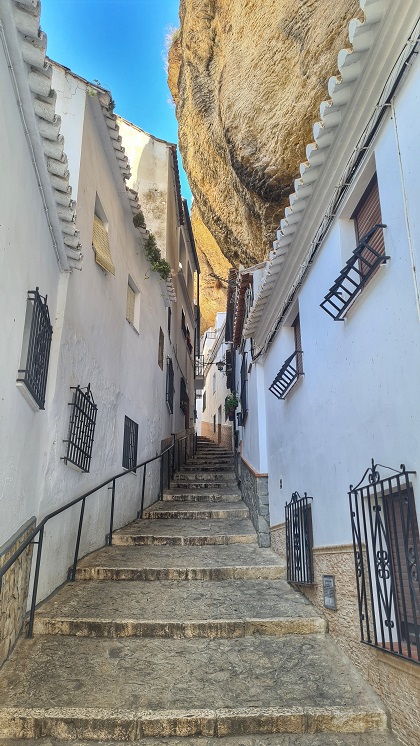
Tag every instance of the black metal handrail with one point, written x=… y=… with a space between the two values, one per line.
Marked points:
x=39 y=529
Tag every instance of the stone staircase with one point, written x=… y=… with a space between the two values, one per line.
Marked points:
x=234 y=654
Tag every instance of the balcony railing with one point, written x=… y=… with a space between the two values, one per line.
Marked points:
x=358 y=270
x=287 y=376
x=386 y=558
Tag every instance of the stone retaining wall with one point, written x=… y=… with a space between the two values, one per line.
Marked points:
x=254 y=488
x=14 y=589
x=396 y=681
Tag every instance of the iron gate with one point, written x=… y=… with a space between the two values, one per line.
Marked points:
x=386 y=556
x=299 y=540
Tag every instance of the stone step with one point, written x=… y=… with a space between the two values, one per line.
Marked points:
x=165 y=509
x=194 y=533
x=196 y=485
x=181 y=493
x=202 y=476
x=384 y=738
x=208 y=468
x=167 y=609
x=227 y=562
x=98 y=689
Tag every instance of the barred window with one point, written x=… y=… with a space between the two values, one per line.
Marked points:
x=160 y=349
x=130 y=444
x=36 y=345
x=170 y=385
x=183 y=398
x=81 y=428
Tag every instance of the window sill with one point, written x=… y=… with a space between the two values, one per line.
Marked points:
x=28 y=396
x=132 y=326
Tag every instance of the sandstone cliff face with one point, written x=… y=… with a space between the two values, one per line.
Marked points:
x=248 y=77
x=212 y=262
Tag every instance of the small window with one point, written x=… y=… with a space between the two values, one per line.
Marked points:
x=131 y=299
x=214 y=383
x=81 y=429
x=204 y=401
x=130 y=444
x=170 y=385
x=244 y=387
x=214 y=423
x=132 y=309
x=183 y=325
x=37 y=334
x=298 y=345
x=169 y=321
x=183 y=398
x=100 y=245
x=366 y=215
x=160 y=349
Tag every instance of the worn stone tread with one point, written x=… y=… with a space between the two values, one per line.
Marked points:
x=177 y=609
x=384 y=738
x=173 y=531
x=292 y=684
x=216 y=493
x=223 y=509
x=226 y=562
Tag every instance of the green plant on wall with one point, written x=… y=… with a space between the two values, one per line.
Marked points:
x=159 y=265
x=231 y=402
x=138 y=220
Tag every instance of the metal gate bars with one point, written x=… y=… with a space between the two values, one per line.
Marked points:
x=386 y=556
x=299 y=540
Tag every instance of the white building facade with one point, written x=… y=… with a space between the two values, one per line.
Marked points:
x=214 y=421
x=333 y=360
x=99 y=370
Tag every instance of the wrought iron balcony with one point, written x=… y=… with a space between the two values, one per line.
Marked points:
x=299 y=541
x=357 y=271
x=287 y=376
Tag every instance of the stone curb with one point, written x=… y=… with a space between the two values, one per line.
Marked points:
x=131 y=725
x=268 y=572
x=158 y=628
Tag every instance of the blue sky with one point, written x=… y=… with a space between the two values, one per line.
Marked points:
x=121 y=44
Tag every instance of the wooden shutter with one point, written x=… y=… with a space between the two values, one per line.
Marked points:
x=100 y=243
x=366 y=215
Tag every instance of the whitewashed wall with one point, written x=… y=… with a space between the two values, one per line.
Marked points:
x=359 y=395
x=27 y=260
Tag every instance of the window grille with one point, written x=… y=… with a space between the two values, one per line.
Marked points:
x=100 y=245
x=183 y=399
x=170 y=384
x=36 y=347
x=81 y=429
x=130 y=444
x=299 y=540
x=358 y=270
x=287 y=376
x=386 y=557
x=131 y=300
x=244 y=387
x=169 y=321
x=160 y=349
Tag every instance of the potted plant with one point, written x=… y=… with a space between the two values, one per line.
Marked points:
x=231 y=402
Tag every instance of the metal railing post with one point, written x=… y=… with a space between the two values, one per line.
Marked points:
x=173 y=455
x=72 y=573
x=142 y=491
x=161 y=479
x=35 y=586
x=111 y=521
